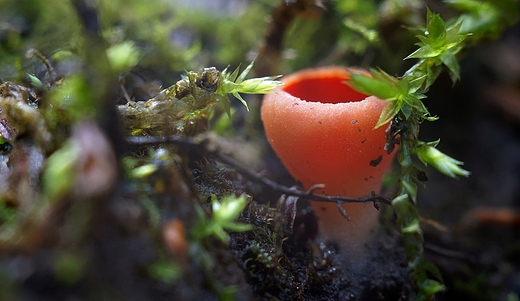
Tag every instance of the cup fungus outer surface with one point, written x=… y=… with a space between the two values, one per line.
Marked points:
x=323 y=131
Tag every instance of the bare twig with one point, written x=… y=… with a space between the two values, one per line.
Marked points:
x=203 y=144
x=343 y=211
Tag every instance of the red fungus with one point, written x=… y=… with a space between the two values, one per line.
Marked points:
x=174 y=236
x=323 y=131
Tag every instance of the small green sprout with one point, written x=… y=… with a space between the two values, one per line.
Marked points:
x=165 y=270
x=123 y=56
x=35 y=81
x=401 y=94
x=143 y=171
x=58 y=174
x=440 y=44
x=437 y=38
x=74 y=98
x=225 y=213
x=447 y=165
x=234 y=84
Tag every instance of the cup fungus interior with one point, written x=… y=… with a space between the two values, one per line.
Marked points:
x=328 y=88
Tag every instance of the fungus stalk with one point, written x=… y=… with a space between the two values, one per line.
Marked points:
x=324 y=133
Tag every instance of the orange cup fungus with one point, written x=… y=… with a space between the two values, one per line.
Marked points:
x=324 y=133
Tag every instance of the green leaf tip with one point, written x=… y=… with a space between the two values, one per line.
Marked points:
x=400 y=94
x=225 y=213
x=447 y=165
x=439 y=44
x=236 y=83
x=123 y=56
